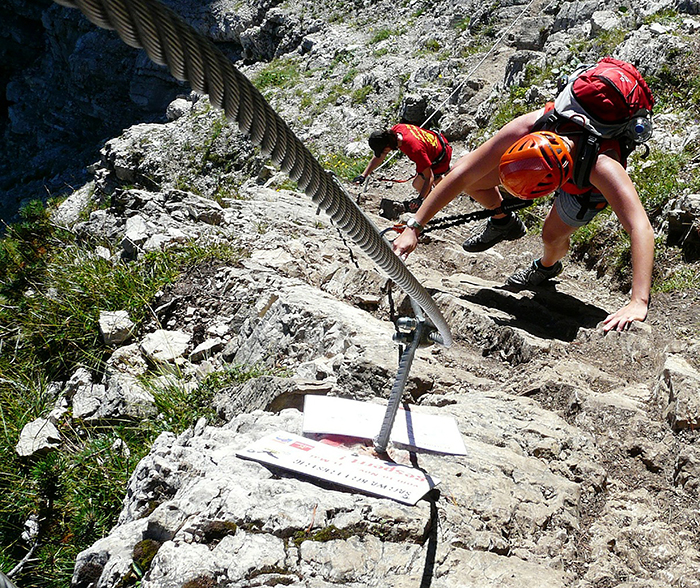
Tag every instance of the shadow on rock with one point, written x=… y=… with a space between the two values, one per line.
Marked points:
x=548 y=314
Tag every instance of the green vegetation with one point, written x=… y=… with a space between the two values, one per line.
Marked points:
x=677 y=84
x=511 y=108
x=432 y=45
x=52 y=289
x=665 y=16
x=343 y=166
x=383 y=35
x=281 y=73
x=605 y=43
x=359 y=96
x=661 y=177
x=686 y=278
x=462 y=24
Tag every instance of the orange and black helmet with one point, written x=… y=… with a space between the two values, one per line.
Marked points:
x=535 y=165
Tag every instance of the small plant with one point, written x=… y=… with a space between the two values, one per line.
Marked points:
x=283 y=73
x=288 y=184
x=144 y=552
x=342 y=165
x=665 y=16
x=511 y=108
x=607 y=41
x=359 y=96
x=350 y=75
x=432 y=45
x=661 y=178
x=462 y=24
x=334 y=94
x=383 y=35
x=686 y=278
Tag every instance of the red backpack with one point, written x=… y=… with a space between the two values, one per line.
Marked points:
x=607 y=100
x=610 y=99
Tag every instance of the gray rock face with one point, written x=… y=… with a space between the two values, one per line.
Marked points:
x=115 y=327
x=680 y=384
x=581 y=467
x=164 y=346
x=38 y=437
x=265 y=516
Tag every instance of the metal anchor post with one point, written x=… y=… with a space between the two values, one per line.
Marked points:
x=418 y=326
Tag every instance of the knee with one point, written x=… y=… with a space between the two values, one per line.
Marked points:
x=553 y=238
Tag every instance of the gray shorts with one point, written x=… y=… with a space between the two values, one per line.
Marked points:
x=577 y=211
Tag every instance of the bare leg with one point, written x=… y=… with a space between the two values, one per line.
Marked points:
x=556 y=238
x=418 y=183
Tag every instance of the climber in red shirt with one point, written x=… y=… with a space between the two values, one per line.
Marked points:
x=429 y=150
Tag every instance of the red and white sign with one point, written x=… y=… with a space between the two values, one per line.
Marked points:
x=340 y=466
x=341 y=416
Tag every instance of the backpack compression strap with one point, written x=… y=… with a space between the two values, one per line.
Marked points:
x=588 y=145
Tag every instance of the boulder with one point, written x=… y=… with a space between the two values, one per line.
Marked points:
x=38 y=438
x=115 y=327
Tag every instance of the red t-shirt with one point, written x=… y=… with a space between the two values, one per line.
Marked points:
x=422 y=147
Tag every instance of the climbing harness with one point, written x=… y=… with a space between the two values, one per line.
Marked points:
x=191 y=56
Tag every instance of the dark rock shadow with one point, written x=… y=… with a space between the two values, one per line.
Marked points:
x=548 y=314
x=431 y=538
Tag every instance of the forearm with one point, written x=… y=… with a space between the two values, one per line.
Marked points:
x=373 y=164
x=445 y=192
x=428 y=179
x=642 y=250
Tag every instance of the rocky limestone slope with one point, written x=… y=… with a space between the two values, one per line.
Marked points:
x=582 y=464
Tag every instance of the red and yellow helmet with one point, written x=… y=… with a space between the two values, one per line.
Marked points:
x=535 y=165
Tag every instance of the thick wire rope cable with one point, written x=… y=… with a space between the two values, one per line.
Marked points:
x=193 y=57
x=5 y=582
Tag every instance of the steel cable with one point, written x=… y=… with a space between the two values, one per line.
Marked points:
x=193 y=57
x=5 y=582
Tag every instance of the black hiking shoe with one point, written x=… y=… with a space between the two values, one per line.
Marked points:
x=413 y=204
x=493 y=234
x=391 y=209
x=535 y=274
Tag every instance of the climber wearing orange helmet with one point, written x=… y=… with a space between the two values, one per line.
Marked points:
x=530 y=163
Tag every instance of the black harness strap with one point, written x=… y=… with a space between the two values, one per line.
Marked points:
x=443 y=152
x=587 y=149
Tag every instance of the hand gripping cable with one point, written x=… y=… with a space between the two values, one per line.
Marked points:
x=192 y=57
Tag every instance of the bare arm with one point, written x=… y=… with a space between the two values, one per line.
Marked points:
x=476 y=173
x=373 y=164
x=612 y=180
x=428 y=179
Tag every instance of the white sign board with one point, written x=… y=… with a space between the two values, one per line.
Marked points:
x=340 y=466
x=340 y=416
